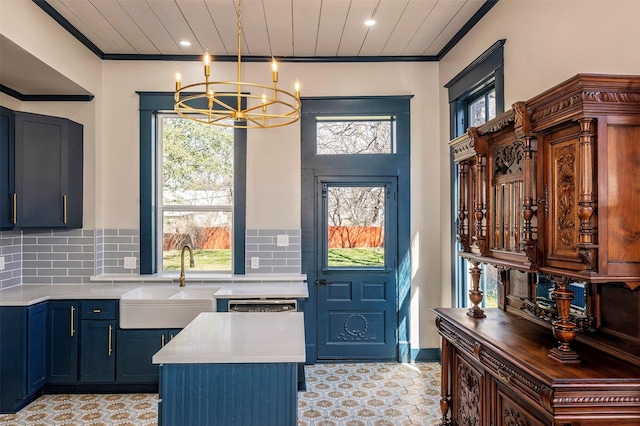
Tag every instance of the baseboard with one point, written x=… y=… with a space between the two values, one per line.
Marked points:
x=426 y=355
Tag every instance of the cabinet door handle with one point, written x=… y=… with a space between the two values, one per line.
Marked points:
x=15 y=208
x=64 y=208
x=162 y=341
x=110 y=330
x=97 y=311
x=171 y=336
x=73 y=310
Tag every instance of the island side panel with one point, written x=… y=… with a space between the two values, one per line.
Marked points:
x=262 y=394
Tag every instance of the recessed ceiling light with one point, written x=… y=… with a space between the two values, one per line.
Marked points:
x=370 y=22
x=185 y=43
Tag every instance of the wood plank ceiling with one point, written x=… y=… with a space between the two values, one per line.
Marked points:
x=290 y=30
x=280 y=28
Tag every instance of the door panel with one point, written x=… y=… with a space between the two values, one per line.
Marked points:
x=356 y=268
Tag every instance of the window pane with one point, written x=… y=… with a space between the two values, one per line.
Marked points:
x=355 y=137
x=355 y=226
x=490 y=287
x=492 y=105
x=207 y=233
x=477 y=112
x=197 y=194
x=197 y=163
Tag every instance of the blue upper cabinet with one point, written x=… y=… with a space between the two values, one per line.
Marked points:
x=6 y=168
x=48 y=172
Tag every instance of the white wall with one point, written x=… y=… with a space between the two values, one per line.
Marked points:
x=547 y=43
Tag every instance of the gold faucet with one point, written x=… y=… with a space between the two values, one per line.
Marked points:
x=181 y=280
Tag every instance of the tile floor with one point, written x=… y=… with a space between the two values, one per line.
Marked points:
x=366 y=394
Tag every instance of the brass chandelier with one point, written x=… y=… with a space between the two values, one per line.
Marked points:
x=256 y=105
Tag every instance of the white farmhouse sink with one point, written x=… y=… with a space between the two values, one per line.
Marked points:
x=149 y=293
x=164 y=307
x=195 y=293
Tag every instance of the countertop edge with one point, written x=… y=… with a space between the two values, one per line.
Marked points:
x=31 y=294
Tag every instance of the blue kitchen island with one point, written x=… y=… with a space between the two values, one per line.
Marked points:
x=232 y=369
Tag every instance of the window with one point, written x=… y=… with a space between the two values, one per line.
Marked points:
x=192 y=189
x=196 y=201
x=482 y=108
x=476 y=95
x=343 y=135
x=355 y=219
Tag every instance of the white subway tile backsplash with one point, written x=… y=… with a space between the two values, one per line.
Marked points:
x=51 y=256
x=112 y=246
x=10 y=249
x=73 y=256
x=273 y=259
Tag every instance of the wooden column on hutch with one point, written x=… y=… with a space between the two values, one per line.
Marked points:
x=549 y=193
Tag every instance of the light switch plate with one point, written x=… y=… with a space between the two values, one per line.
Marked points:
x=1 y=263
x=282 y=240
x=130 y=263
x=255 y=263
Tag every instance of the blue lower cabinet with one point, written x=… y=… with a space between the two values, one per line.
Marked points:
x=97 y=351
x=63 y=341
x=222 y=305
x=135 y=350
x=23 y=368
x=36 y=348
x=261 y=394
x=98 y=328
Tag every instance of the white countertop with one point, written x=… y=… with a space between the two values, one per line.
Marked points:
x=27 y=294
x=260 y=337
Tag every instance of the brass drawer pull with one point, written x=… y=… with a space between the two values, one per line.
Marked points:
x=64 y=208
x=97 y=311
x=504 y=376
x=73 y=331
x=15 y=208
x=110 y=349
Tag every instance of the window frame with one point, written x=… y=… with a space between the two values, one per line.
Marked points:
x=153 y=104
x=163 y=208
x=484 y=74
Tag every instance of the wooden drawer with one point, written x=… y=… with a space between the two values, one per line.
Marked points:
x=98 y=309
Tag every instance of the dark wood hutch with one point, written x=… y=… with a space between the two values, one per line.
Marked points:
x=549 y=194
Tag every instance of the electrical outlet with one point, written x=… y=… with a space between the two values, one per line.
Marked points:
x=282 y=240
x=255 y=263
x=1 y=263
x=130 y=262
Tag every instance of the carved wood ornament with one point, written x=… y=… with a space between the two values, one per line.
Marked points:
x=468 y=396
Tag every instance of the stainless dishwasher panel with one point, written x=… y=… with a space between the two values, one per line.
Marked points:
x=263 y=305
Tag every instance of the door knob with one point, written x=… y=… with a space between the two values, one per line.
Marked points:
x=321 y=282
